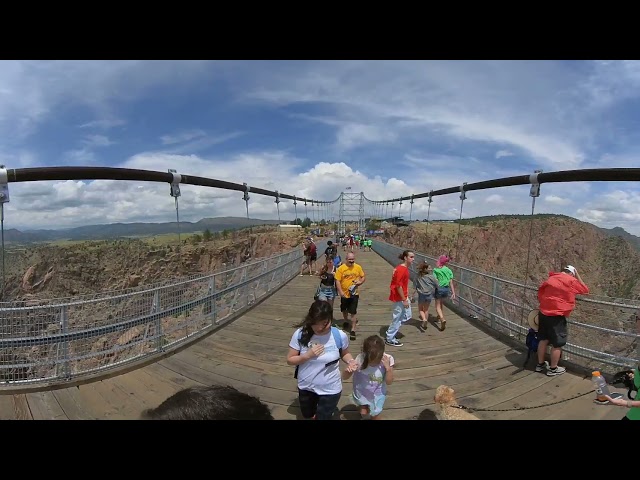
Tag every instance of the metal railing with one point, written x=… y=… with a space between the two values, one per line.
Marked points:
x=503 y=305
x=53 y=341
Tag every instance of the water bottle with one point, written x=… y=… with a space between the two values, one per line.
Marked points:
x=600 y=383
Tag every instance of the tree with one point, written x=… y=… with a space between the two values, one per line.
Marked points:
x=373 y=224
x=306 y=222
x=206 y=235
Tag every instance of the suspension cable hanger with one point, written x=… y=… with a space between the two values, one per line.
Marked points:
x=4 y=198
x=429 y=200
x=534 y=192
x=278 y=204
x=463 y=197
x=295 y=209
x=411 y=208
x=175 y=193
x=246 y=197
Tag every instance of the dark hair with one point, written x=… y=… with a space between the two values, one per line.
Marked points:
x=423 y=269
x=404 y=254
x=324 y=268
x=329 y=242
x=216 y=402
x=320 y=310
x=372 y=348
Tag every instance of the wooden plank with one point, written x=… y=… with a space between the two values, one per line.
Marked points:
x=72 y=404
x=23 y=412
x=44 y=406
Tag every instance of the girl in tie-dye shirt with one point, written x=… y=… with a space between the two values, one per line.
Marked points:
x=370 y=379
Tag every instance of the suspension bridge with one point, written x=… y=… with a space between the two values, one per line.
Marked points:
x=111 y=355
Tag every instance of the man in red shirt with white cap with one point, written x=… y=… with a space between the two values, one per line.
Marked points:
x=557 y=297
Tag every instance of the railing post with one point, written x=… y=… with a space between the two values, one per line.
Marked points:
x=494 y=303
x=155 y=307
x=211 y=303
x=64 y=324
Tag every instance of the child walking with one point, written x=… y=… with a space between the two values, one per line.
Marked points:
x=372 y=372
x=425 y=285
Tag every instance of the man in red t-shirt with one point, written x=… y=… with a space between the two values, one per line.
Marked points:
x=557 y=297
x=399 y=295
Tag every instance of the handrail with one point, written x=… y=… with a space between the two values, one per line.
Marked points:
x=586 y=175
x=111 y=173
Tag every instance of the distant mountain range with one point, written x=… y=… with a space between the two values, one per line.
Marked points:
x=116 y=230
x=218 y=224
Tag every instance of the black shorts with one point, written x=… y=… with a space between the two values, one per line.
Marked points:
x=322 y=406
x=552 y=328
x=349 y=305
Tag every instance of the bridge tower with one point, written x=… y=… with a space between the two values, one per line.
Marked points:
x=351 y=211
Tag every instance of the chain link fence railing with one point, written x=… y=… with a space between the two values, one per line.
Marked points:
x=56 y=340
x=602 y=330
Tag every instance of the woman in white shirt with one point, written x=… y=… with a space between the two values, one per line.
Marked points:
x=316 y=349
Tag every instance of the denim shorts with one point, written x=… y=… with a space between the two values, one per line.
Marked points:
x=327 y=293
x=443 y=292
x=424 y=298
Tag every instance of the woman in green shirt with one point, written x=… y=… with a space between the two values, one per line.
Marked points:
x=446 y=289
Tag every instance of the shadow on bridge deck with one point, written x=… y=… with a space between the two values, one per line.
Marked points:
x=250 y=355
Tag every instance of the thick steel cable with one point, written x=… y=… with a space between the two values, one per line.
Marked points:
x=526 y=273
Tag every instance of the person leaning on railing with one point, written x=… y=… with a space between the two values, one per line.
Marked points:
x=557 y=299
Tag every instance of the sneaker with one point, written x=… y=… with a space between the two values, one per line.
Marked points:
x=552 y=372
x=542 y=366
x=394 y=343
x=352 y=335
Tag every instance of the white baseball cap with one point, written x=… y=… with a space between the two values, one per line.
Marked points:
x=571 y=269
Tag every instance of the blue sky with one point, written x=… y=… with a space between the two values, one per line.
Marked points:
x=312 y=128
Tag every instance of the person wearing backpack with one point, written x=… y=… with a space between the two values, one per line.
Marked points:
x=316 y=348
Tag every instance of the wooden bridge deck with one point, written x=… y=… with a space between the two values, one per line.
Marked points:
x=250 y=355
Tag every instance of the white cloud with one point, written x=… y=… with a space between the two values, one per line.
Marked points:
x=199 y=143
x=495 y=198
x=555 y=200
x=504 y=153
x=181 y=137
x=356 y=135
x=97 y=141
x=103 y=124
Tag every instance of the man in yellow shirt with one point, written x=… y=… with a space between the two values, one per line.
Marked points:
x=349 y=277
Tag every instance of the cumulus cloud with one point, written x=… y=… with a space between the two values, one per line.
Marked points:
x=555 y=200
x=386 y=128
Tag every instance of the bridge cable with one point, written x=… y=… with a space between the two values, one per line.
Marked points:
x=411 y=208
x=463 y=197
x=295 y=209
x=4 y=198
x=533 y=193
x=429 y=199
x=245 y=197
x=175 y=193
x=278 y=204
